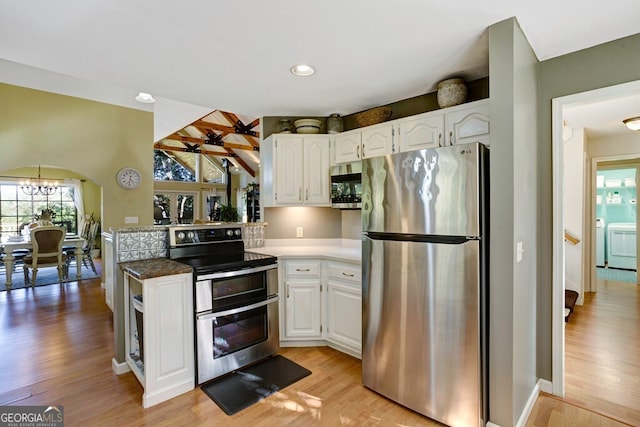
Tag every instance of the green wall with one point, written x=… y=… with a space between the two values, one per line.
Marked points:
x=601 y=66
x=91 y=139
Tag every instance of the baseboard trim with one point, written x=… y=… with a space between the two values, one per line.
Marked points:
x=546 y=386
x=119 y=368
x=528 y=407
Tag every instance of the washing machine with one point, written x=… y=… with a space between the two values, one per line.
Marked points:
x=621 y=245
x=600 y=242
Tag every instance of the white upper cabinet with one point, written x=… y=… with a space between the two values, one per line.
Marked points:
x=469 y=123
x=347 y=146
x=377 y=140
x=358 y=144
x=421 y=131
x=295 y=170
x=461 y=124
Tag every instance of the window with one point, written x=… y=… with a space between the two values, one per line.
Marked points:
x=18 y=209
x=184 y=167
x=174 y=207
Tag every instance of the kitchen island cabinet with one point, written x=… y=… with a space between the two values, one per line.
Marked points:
x=159 y=343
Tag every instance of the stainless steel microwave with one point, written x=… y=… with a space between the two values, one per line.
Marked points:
x=346 y=186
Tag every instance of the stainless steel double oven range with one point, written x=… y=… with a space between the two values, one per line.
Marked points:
x=235 y=297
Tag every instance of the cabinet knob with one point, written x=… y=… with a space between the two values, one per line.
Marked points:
x=302 y=269
x=358 y=151
x=300 y=194
x=348 y=275
x=440 y=139
x=287 y=291
x=450 y=137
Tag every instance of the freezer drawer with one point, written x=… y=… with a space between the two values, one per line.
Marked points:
x=423 y=327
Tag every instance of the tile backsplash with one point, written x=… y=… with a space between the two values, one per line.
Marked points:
x=133 y=244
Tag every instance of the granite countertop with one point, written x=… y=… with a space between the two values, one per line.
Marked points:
x=337 y=250
x=156 y=267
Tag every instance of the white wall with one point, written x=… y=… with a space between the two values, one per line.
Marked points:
x=573 y=214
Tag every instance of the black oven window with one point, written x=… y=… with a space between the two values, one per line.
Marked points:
x=239 y=291
x=237 y=331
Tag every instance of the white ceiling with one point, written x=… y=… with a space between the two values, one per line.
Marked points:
x=235 y=55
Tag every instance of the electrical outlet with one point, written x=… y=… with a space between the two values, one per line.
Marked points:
x=299 y=232
x=130 y=219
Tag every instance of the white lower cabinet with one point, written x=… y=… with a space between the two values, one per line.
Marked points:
x=321 y=304
x=159 y=343
x=344 y=307
x=302 y=290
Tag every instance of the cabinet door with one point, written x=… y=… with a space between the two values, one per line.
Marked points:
x=316 y=171
x=302 y=309
x=344 y=311
x=288 y=170
x=423 y=131
x=347 y=146
x=377 y=140
x=468 y=124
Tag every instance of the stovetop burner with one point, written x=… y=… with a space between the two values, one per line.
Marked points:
x=227 y=262
x=213 y=248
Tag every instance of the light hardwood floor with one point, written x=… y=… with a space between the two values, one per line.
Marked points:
x=56 y=345
x=602 y=352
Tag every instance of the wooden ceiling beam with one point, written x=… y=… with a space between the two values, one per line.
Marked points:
x=200 y=141
x=159 y=146
x=242 y=163
x=242 y=129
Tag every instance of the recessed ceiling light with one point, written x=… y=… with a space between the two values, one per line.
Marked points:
x=633 y=123
x=146 y=98
x=302 y=70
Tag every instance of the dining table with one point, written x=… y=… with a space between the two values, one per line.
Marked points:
x=11 y=243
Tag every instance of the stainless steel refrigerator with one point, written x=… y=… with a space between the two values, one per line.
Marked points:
x=424 y=259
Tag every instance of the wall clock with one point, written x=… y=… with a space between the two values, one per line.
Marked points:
x=129 y=178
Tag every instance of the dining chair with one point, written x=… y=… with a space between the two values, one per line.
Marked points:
x=89 y=234
x=47 y=252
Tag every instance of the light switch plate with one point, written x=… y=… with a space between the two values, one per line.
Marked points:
x=519 y=251
x=130 y=219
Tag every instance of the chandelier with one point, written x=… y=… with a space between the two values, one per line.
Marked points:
x=39 y=187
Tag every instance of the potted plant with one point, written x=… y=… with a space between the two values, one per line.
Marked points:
x=229 y=214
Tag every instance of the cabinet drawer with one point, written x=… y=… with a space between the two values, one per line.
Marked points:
x=302 y=269
x=348 y=272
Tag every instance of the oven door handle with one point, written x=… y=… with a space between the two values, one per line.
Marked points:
x=209 y=316
x=234 y=273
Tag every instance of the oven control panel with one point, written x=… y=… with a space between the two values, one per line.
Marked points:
x=189 y=235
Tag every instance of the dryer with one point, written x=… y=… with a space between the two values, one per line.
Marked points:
x=621 y=245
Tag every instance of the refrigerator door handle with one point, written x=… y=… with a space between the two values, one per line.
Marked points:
x=422 y=238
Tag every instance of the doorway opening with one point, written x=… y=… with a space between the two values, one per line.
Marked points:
x=590 y=233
